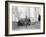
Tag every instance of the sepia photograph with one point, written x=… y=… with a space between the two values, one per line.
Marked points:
x=24 y=18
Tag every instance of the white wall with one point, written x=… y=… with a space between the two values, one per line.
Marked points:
x=2 y=20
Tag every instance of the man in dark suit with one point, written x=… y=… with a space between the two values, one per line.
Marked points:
x=39 y=17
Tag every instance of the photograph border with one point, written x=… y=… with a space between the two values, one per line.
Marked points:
x=6 y=18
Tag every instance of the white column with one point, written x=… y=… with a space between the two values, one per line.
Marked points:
x=28 y=12
x=13 y=14
x=32 y=14
x=36 y=14
x=22 y=10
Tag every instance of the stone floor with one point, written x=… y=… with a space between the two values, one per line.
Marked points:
x=35 y=25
